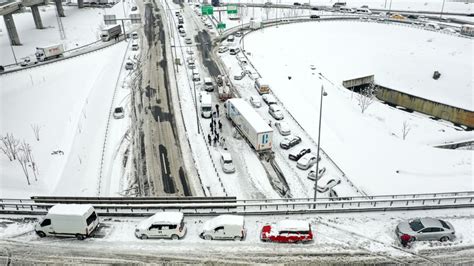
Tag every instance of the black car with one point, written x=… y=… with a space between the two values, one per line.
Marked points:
x=295 y=156
x=412 y=16
x=314 y=16
x=134 y=8
x=289 y=142
x=315 y=8
x=296 y=4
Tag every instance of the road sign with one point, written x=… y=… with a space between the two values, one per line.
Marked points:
x=110 y=20
x=232 y=9
x=207 y=10
x=135 y=18
x=221 y=25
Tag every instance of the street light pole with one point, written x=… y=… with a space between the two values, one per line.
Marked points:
x=323 y=93
x=442 y=9
x=196 y=107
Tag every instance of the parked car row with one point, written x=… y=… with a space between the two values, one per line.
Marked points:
x=81 y=221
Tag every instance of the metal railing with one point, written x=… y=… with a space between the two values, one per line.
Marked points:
x=198 y=207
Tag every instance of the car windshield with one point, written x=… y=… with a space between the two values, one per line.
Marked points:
x=416 y=225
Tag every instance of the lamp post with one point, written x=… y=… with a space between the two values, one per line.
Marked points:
x=196 y=107
x=323 y=93
x=442 y=9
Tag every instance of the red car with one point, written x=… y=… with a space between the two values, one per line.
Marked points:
x=287 y=231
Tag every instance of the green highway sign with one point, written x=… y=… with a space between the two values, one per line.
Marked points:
x=232 y=9
x=207 y=10
x=221 y=25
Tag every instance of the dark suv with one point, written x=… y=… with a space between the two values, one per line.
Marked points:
x=295 y=156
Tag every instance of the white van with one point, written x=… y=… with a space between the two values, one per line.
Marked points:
x=162 y=225
x=261 y=86
x=134 y=46
x=76 y=220
x=224 y=227
x=364 y=11
x=206 y=105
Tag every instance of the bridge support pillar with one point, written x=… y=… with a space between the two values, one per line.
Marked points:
x=11 y=29
x=37 y=17
x=80 y=3
x=59 y=8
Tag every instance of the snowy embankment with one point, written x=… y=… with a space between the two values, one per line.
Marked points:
x=70 y=102
x=368 y=147
x=333 y=234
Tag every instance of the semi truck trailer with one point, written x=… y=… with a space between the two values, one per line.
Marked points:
x=110 y=32
x=251 y=125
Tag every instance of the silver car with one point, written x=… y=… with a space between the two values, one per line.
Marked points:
x=283 y=128
x=275 y=111
x=425 y=229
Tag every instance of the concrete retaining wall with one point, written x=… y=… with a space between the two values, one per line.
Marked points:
x=439 y=110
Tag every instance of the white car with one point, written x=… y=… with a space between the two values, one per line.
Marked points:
x=328 y=182
x=230 y=227
x=306 y=161
x=269 y=99
x=227 y=163
x=27 y=61
x=275 y=111
x=231 y=38
x=312 y=173
x=129 y=65
x=239 y=34
x=162 y=225
x=223 y=49
x=255 y=101
x=188 y=41
x=283 y=128
x=196 y=76
x=119 y=113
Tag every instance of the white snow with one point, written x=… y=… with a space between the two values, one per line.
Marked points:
x=223 y=220
x=292 y=225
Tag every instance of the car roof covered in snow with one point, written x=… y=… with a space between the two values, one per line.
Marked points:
x=70 y=209
x=296 y=225
x=224 y=220
x=162 y=218
x=226 y=156
x=250 y=114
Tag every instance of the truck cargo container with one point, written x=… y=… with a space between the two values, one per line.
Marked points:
x=255 y=24
x=49 y=52
x=110 y=32
x=251 y=125
x=206 y=105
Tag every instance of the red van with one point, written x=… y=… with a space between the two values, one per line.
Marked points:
x=287 y=231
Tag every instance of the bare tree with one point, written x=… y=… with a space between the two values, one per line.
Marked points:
x=366 y=97
x=23 y=161
x=36 y=130
x=10 y=146
x=25 y=148
x=406 y=129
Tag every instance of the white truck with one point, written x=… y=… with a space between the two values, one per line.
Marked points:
x=206 y=105
x=49 y=52
x=110 y=32
x=76 y=220
x=255 y=24
x=251 y=125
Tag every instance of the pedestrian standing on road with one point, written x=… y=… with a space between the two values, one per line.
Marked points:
x=270 y=123
x=220 y=126
x=223 y=142
x=214 y=114
x=215 y=140
x=209 y=139
x=217 y=135
x=405 y=239
x=212 y=127
x=217 y=109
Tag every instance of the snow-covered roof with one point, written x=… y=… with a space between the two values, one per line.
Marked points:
x=225 y=219
x=162 y=218
x=250 y=114
x=70 y=209
x=294 y=225
x=226 y=156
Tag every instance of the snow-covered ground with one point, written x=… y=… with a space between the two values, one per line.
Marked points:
x=368 y=147
x=81 y=26
x=334 y=234
x=72 y=102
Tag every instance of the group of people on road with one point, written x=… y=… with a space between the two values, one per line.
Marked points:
x=216 y=129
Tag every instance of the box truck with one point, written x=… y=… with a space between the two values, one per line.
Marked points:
x=49 y=52
x=75 y=220
x=224 y=92
x=206 y=105
x=255 y=24
x=110 y=32
x=251 y=125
